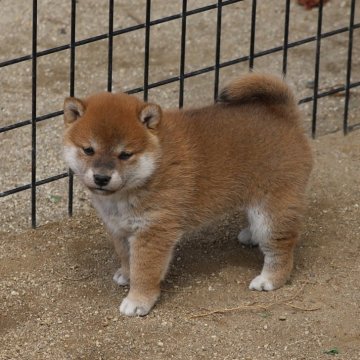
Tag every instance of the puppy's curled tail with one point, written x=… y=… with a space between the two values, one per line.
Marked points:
x=256 y=87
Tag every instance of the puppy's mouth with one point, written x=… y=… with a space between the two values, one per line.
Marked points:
x=101 y=191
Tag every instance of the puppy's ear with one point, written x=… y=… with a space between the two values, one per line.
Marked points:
x=150 y=115
x=73 y=109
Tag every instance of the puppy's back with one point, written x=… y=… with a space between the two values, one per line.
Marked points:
x=250 y=139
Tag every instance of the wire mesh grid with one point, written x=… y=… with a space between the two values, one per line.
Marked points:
x=147 y=26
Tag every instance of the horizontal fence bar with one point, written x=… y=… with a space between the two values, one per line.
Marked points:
x=37 y=183
x=329 y=92
x=194 y=73
x=28 y=122
x=177 y=78
x=157 y=22
x=117 y=32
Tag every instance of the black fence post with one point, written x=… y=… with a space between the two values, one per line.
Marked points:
x=317 y=69
x=252 y=35
x=286 y=36
x=182 y=53
x=72 y=93
x=147 y=49
x=348 y=68
x=217 y=49
x=33 y=114
x=110 y=45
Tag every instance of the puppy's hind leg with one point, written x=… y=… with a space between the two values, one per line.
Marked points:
x=250 y=236
x=246 y=238
x=278 y=263
x=277 y=240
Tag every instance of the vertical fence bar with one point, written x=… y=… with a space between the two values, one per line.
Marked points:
x=217 y=49
x=147 y=49
x=286 y=36
x=33 y=114
x=252 y=35
x=317 y=69
x=182 y=53
x=72 y=47
x=348 y=69
x=110 y=44
x=72 y=93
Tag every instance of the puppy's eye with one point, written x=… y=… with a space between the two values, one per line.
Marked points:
x=124 y=155
x=89 y=151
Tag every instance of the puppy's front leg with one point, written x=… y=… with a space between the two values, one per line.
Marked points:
x=122 y=275
x=150 y=255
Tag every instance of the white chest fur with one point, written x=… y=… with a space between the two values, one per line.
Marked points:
x=119 y=214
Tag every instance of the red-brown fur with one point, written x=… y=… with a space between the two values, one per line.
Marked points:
x=246 y=151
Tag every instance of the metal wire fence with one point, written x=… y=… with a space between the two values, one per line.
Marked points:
x=182 y=75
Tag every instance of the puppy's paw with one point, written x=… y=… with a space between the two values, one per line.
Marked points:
x=261 y=283
x=131 y=307
x=245 y=237
x=120 y=278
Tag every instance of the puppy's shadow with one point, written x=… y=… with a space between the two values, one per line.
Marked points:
x=210 y=251
x=198 y=256
x=90 y=251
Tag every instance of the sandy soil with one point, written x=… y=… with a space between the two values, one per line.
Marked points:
x=58 y=300
x=57 y=297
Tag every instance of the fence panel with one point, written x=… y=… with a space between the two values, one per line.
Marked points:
x=223 y=16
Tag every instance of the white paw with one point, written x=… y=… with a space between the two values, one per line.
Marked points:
x=245 y=237
x=133 y=308
x=120 y=279
x=260 y=283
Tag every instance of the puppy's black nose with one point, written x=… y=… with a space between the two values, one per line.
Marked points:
x=101 y=180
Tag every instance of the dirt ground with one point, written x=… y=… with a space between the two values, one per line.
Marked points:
x=58 y=300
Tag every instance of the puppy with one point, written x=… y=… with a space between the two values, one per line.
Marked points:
x=154 y=175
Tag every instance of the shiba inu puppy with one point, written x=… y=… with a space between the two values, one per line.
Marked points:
x=156 y=174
